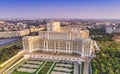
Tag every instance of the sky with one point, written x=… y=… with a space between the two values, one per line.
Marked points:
x=60 y=9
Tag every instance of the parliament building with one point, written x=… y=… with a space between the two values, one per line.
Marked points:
x=57 y=39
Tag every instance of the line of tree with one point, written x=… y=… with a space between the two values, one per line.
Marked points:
x=8 y=52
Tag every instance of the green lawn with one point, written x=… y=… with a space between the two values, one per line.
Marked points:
x=46 y=68
x=82 y=67
x=49 y=67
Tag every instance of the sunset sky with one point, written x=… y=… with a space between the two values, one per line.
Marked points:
x=60 y=9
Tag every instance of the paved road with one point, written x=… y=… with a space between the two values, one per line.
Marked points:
x=76 y=68
x=86 y=67
x=4 y=42
x=96 y=45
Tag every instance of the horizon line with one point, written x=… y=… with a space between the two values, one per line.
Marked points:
x=60 y=18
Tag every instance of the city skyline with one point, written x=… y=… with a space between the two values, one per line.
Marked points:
x=103 y=9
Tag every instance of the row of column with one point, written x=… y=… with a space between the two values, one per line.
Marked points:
x=57 y=45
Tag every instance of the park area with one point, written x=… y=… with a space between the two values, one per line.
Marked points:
x=9 y=46
x=33 y=66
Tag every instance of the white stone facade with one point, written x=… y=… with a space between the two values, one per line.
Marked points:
x=53 y=26
x=65 y=41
